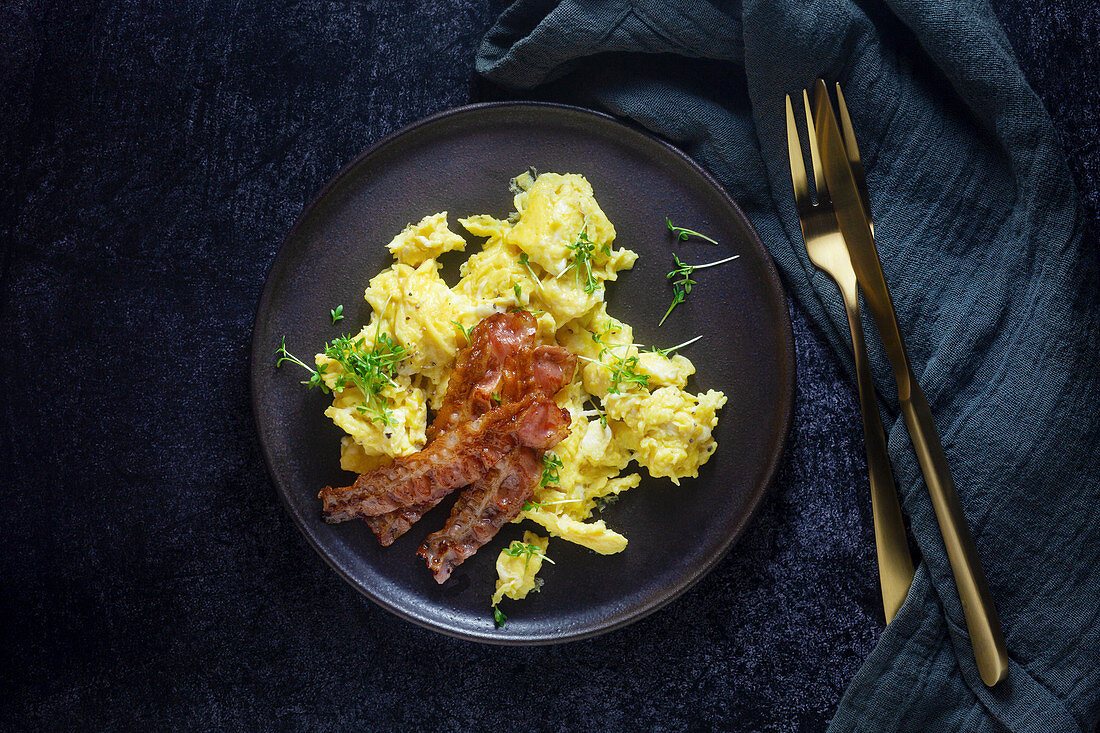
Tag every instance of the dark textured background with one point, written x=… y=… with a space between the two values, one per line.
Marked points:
x=153 y=157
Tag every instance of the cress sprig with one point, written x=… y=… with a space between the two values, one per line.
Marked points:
x=316 y=378
x=584 y=251
x=519 y=549
x=466 y=332
x=525 y=262
x=681 y=288
x=551 y=464
x=532 y=504
x=601 y=337
x=670 y=349
x=624 y=369
x=368 y=369
x=682 y=234
x=596 y=410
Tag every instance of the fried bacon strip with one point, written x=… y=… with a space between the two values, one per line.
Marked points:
x=457 y=458
x=391 y=525
x=498 y=497
x=477 y=372
x=480 y=368
x=549 y=369
x=481 y=511
x=511 y=376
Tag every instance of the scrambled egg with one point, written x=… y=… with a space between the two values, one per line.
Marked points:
x=551 y=257
x=516 y=570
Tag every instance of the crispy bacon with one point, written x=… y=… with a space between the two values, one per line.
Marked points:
x=542 y=370
x=481 y=511
x=498 y=497
x=479 y=368
x=550 y=369
x=391 y=525
x=457 y=458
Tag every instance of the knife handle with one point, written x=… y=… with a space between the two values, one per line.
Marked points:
x=981 y=616
x=895 y=565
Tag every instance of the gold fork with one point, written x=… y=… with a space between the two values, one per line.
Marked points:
x=826 y=248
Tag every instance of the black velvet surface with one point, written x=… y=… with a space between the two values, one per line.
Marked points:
x=153 y=157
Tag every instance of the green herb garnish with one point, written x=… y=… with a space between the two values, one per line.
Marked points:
x=623 y=370
x=518 y=291
x=467 y=332
x=670 y=349
x=682 y=287
x=316 y=379
x=368 y=369
x=682 y=234
x=519 y=549
x=531 y=504
x=601 y=337
x=337 y=313
x=498 y=616
x=584 y=251
x=526 y=262
x=599 y=411
x=550 y=466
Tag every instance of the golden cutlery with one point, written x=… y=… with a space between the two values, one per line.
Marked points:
x=826 y=249
x=854 y=220
x=852 y=151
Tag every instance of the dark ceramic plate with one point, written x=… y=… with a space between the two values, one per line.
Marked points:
x=461 y=161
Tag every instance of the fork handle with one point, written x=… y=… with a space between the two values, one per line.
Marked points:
x=895 y=565
x=978 y=610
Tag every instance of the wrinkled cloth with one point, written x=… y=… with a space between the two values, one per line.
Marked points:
x=981 y=239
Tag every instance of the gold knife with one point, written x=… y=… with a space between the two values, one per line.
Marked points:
x=978 y=609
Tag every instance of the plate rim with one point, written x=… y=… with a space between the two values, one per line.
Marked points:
x=755 y=499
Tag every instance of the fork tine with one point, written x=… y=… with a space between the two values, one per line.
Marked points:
x=815 y=154
x=798 y=166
